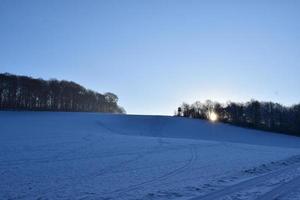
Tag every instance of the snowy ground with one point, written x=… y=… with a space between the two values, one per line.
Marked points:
x=92 y=156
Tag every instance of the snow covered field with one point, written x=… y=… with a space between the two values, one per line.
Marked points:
x=48 y=155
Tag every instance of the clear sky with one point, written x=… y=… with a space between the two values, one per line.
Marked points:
x=155 y=54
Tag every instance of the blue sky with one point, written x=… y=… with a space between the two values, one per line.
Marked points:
x=156 y=54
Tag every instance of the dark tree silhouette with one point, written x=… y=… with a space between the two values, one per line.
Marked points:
x=26 y=93
x=253 y=114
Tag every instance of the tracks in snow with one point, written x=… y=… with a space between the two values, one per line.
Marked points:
x=262 y=180
x=281 y=190
x=167 y=175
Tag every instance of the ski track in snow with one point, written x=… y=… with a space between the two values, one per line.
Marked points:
x=281 y=190
x=171 y=173
x=93 y=156
x=265 y=179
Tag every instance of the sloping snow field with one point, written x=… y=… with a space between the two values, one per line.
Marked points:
x=51 y=155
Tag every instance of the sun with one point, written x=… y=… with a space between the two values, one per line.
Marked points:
x=213 y=116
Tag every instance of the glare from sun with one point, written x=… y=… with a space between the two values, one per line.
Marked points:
x=213 y=116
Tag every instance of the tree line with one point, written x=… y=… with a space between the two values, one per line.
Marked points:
x=27 y=93
x=266 y=116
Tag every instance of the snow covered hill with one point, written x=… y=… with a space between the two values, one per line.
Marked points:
x=178 y=127
x=48 y=155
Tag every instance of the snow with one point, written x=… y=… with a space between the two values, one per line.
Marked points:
x=55 y=155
